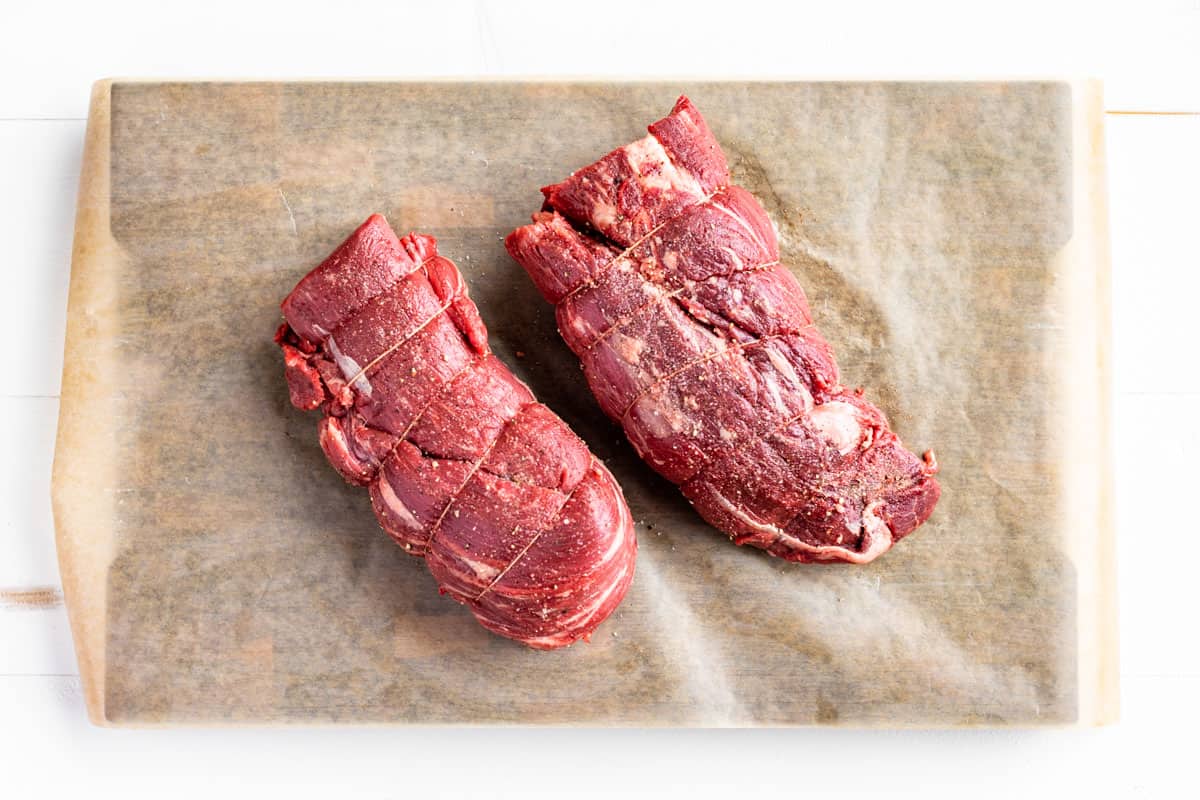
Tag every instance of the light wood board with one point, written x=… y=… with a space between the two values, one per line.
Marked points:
x=952 y=238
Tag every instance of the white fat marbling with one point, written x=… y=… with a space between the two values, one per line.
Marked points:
x=585 y=614
x=628 y=348
x=603 y=214
x=662 y=418
x=734 y=259
x=482 y=571
x=396 y=507
x=350 y=368
x=787 y=372
x=877 y=537
x=838 y=423
x=777 y=401
x=655 y=169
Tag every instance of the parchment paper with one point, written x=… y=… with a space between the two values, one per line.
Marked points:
x=952 y=241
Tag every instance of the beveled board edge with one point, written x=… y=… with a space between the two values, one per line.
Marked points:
x=1087 y=296
x=81 y=487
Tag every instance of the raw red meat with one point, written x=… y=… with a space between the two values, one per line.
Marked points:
x=696 y=339
x=513 y=515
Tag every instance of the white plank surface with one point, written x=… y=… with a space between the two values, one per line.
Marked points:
x=27 y=556
x=1150 y=56
x=39 y=162
x=1154 y=197
x=1148 y=52
x=53 y=750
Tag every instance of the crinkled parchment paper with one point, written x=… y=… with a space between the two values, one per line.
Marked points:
x=952 y=241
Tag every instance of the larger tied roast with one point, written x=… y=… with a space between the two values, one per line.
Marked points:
x=513 y=515
x=695 y=338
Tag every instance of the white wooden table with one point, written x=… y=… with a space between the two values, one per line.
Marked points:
x=1148 y=56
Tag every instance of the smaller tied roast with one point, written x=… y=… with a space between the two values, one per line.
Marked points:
x=515 y=518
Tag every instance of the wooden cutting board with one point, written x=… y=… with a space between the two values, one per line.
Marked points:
x=953 y=242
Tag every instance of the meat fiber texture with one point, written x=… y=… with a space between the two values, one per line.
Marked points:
x=514 y=516
x=700 y=344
